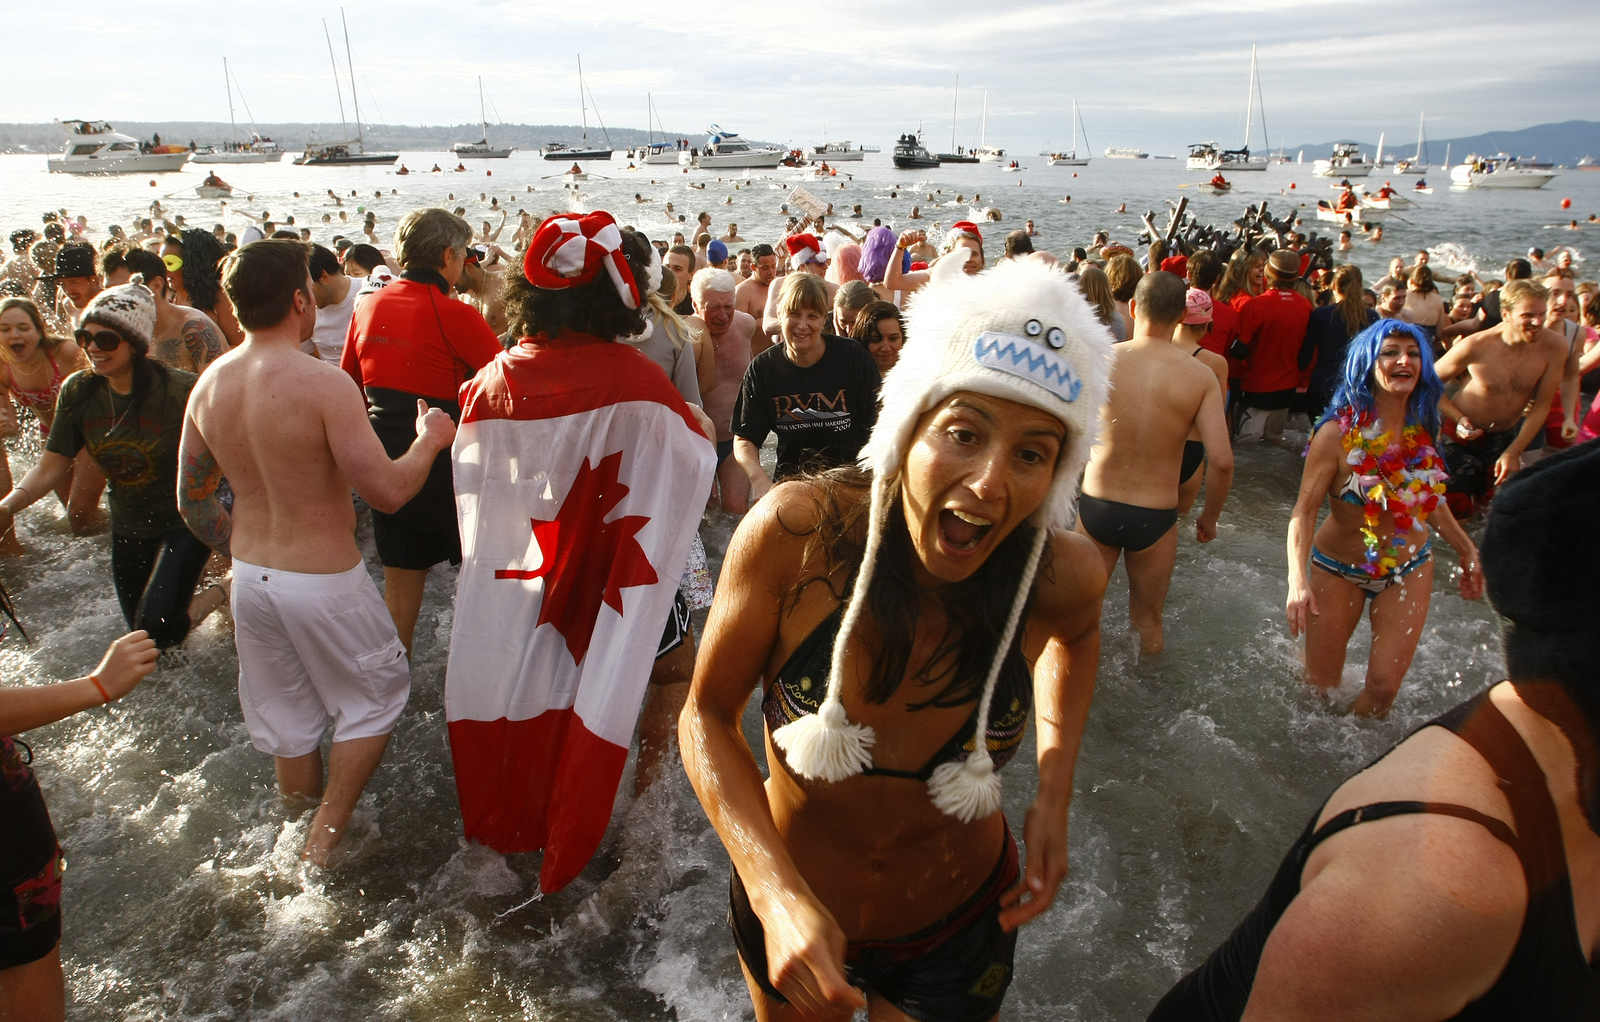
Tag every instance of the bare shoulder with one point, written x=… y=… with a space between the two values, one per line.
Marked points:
x=776 y=540
x=744 y=323
x=1073 y=579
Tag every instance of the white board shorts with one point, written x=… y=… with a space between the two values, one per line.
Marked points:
x=315 y=649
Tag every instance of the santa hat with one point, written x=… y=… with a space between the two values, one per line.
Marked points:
x=961 y=229
x=1178 y=264
x=804 y=248
x=1021 y=332
x=130 y=310
x=568 y=250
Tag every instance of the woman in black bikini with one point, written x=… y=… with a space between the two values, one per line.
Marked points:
x=32 y=367
x=874 y=867
x=1372 y=459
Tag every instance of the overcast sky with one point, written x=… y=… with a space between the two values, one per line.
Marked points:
x=1152 y=74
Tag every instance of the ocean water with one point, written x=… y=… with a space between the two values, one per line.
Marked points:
x=184 y=898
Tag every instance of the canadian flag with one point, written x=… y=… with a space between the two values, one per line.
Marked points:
x=581 y=476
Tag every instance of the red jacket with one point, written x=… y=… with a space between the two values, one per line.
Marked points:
x=1224 y=328
x=412 y=337
x=1272 y=325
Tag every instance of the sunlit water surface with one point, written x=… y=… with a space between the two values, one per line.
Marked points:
x=184 y=898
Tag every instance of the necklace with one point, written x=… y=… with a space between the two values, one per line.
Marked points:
x=1405 y=479
x=38 y=360
x=111 y=397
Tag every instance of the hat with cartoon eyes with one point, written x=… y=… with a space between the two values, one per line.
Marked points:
x=1021 y=332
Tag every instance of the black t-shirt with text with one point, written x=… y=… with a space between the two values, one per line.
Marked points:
x=822 y=413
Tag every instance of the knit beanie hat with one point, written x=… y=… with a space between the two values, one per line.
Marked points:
x=129 y=309
x=1021 y=332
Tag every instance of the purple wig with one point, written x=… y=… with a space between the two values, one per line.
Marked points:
x=875 y=253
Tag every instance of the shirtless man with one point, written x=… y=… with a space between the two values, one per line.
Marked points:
x=480 y=287
x=1510 y=368
x=183 y=338
x=750 y=297
x=731 y=236
x=730 y=331
x=316 y=643
x=1129 y=504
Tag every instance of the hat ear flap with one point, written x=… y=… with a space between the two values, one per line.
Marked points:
x=952 y=265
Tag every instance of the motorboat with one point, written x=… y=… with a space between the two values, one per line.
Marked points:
x=257 y=150
x=1587 y=163
x=481 y=150
x=1210 y=156
x=1499 y=171
x=841 y=152
x=1071 y=158
x=911 y=154
x=95 y=147
x=725 y=149
x=1347 y=161
x=583 y=150
x=655 y=153
x=1126 y=153
x=1013 y=167
x=347 y=152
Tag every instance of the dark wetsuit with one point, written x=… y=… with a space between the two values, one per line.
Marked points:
x=1548 y=976
x=959 y=967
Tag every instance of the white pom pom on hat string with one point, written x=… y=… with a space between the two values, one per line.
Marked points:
x=970 y=790
x=826 y=746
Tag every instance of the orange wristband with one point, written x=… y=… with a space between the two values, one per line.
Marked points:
x=103 y=693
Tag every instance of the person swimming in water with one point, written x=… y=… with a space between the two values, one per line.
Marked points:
x=874 y=869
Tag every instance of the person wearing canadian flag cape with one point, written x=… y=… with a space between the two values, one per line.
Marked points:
x=905 y=618
x=580 y=477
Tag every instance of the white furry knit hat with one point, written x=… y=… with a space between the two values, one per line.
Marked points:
x=1021 y=332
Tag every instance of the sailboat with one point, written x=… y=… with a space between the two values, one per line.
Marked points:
x=956 y=153
x=662 y=153
x=1418 y=164
x=1210 y=156
x=480 y=150
x=257 y=150
x=346 y=153
x=985 y=152
x=582 y=151
x=1072 y=159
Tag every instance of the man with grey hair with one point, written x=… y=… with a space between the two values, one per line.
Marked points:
x=410 y=341
x=728 y=331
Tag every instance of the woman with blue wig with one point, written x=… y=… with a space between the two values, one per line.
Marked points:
x=1372 y=458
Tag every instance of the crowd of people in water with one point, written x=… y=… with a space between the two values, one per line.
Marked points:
x=941 y=448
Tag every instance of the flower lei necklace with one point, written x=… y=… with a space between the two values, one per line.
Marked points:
x=1406 y=479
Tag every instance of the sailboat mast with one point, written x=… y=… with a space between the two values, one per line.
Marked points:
x=482 y=114
x=983 y=124
x=227 y=80
x=360 y=139
x=1420 y=120
x=1250 y=103
x=338 y=90
x=1085 y=131
x=583 y=107
x=955 y=104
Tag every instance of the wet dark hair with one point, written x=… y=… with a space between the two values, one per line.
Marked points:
x=866 y=328
x=1205 y=269
x=594 y=308
x=138 y=260
x=976 y=609
x=761 y=251
x=1018 y=243
x=202 y=276
x=324 y=261
x=365 y=256
x=261 y=280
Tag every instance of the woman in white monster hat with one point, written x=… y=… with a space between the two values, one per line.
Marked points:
x=874 y=866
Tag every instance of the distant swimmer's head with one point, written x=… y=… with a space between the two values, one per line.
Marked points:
x=584 y=274
x=1541 y=555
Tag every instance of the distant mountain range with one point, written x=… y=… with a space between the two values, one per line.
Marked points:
x=1565 y=143
x=50 y=136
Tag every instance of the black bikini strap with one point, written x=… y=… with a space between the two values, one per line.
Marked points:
x=1383 y=810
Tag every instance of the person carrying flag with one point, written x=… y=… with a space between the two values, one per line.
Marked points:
x=580 y=477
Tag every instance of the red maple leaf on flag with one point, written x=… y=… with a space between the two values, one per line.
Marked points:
x=584 y=558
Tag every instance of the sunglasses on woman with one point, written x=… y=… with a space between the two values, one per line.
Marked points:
x=105 y=340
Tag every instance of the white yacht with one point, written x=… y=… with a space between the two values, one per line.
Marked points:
x=1499 y=171
x=1072 y=159
x=725 y=149
x=95 y=147
x=1210 y=156
x=841 y=152
x=481 y=150
x=654 y=153
x=985 y=152
x=1126 y=153
x=1348 y=161
x=257 y=150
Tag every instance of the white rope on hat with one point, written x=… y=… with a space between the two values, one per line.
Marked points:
x=970 y=790
x=826 y=746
